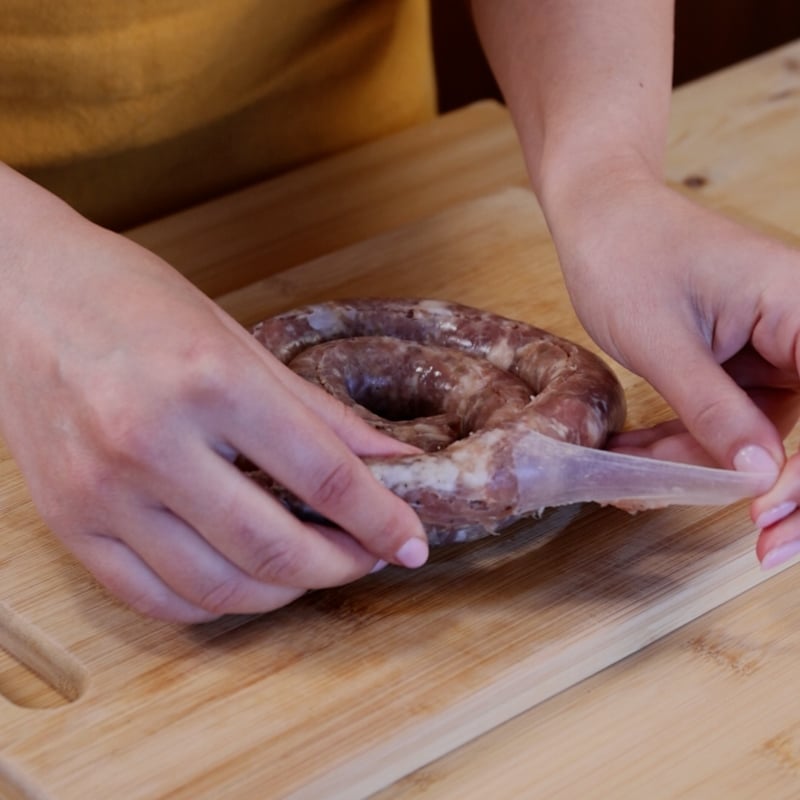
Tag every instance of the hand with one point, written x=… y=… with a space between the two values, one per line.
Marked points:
x=707 y=311
x=125 y=399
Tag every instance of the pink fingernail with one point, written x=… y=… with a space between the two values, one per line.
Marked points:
x=775 y=514
x=754 y=458
x=414 y=553
x=379 y=565
x=780 y=555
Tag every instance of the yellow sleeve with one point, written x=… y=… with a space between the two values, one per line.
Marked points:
x=131 y=110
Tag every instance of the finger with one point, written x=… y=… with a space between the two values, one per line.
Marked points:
x=774 y=513
x=671 y=441
x=749 y=369
x=681 y=447
x=251 y=529
x=314 y=456
x=197 y=572
x=716 y=411
x=645 y=437
x=780 y=542
x=668 y=440
x=301 y=452
x=774 y=390
x=128 y=578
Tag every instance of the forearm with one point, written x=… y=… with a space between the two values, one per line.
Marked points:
x=587 y=82
x=36 y=229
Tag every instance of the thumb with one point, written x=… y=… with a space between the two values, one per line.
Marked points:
x=716 y=411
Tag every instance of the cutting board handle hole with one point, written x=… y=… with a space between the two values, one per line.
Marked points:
x=35 y=670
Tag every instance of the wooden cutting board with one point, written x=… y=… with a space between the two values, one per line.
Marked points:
x=347 y=690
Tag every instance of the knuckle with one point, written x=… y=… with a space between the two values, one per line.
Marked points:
x=123 y=434
x=207 y=372
x=224 y=597
x=706 y=417
x=56 y=508
x=95 y=479
x=130 y=421
x=333 y=487
x=71 y=504
x=276 y=561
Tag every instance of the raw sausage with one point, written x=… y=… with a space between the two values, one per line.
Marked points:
x=462 y=384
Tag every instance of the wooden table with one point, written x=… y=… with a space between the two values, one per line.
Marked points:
x=689 y=704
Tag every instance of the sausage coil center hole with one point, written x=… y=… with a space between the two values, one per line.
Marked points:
x=426 y=395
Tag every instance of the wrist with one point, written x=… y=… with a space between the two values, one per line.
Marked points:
x=38 y=232
x=571 y=183
x=599 y=211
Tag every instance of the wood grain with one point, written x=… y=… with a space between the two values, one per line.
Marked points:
x=708 y=711
x=346 y=691
x=734 y=140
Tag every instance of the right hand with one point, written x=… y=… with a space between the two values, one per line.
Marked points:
x=125 y=398
x=706 y=311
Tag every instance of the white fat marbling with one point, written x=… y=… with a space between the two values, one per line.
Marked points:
x=324 y=319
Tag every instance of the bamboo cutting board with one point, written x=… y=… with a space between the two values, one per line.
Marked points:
x=347 y=690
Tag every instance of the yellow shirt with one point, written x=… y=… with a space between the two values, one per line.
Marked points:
x=129 y=109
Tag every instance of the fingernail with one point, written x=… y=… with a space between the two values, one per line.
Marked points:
x=754 y=458
x=379 y=565
x=773 y=515
x=414 y=553
x=780 y=555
